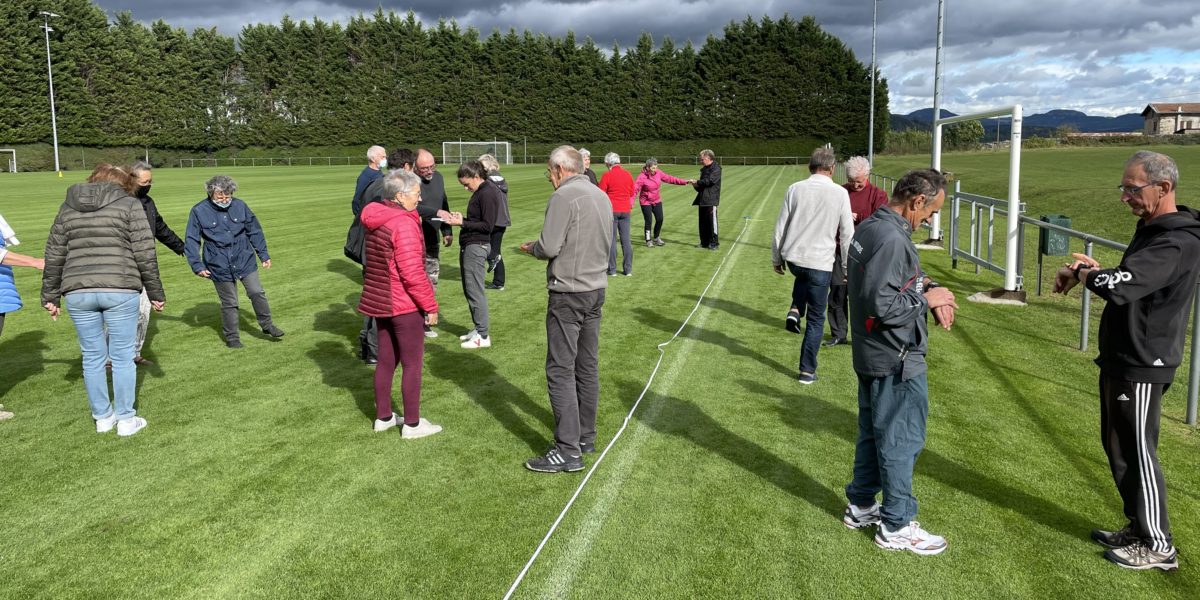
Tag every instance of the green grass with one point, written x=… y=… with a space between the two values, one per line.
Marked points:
x=259 y=475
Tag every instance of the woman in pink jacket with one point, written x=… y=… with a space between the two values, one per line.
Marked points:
x=646 y=189
x=397 y=292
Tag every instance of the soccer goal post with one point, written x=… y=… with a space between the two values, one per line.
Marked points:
x=11 y=163
x=460 y=152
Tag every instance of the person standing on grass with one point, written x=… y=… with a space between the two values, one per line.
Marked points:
x=587 y=166
x=223 y=236
x=376 y=163
x=100 y=256
x=646 y=190
x=865 y=199
x=814 y=214
x=398 y=294
x=434 y=210
x=1142 y=331
x=10 y=300
x=708 y=198
x=474 y=246
x=495 y=262
x=575 y=240
x=890 y=296
x=143 y=178
x=618 y=184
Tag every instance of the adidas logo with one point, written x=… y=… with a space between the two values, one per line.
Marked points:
x=1123 y=398
x=1158 y=362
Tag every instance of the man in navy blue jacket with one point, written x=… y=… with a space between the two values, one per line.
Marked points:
x=231 y=237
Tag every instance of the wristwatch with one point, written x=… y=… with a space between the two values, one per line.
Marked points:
x=1075 y=271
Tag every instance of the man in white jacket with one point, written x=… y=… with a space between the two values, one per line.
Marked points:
x=815 y=212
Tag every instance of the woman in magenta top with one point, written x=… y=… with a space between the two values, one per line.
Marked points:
x=646 y=190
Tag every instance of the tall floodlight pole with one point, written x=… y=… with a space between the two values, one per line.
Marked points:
x=935 y=232
x=50 y=74
x=871 y=131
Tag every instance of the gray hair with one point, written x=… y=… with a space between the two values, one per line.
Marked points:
x=584 y=153
x=708 y=154
x=139 y=166
x=374 y=151
x=399 y=182
x=822 y=159
x=650 y=162
x=612 y=158
x=857 y=167
x=568 y=159
x=489 y=162
x=917 y=182
x=1158 y=167
x=220 y=183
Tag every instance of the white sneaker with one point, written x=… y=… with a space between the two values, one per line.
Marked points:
x=478 y=342
x=4 y=414
x=429 y=333
x=468 y=335
x=910 y=537
x=130 y=426
x=423 y=429
x=106 y=424
x=856 y=518
x=381 y=425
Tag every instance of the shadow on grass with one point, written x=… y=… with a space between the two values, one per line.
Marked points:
x=343 y=266
x=740 y=310
x=683 y=419
x=732 y=345
x=24 y=357
x=208 y=314
x=341 y=369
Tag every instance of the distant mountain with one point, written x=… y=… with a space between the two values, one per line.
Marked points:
x=1044 y=124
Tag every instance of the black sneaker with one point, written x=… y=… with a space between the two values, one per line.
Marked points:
x=370 y=361
x=273 y=331
x=234 y=343
x=1114 y=539
x=492 y=286
x=554 y=461
x=792 y=321
x=491 y=264
x=587 y=447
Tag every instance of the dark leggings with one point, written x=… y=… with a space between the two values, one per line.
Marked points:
x=656 y=211
x=498 y=272
x=400 y=337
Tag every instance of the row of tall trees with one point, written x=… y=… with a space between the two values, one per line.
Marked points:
x=387 y=76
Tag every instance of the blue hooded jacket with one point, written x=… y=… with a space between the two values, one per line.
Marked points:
x=230 y=237
x=10 y=300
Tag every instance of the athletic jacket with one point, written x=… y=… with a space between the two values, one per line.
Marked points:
x=646 y=188
x=576 y=237
x=230 y=236
x=482 y=211
x=618 y=184
x=10 y=300
x=433 y=197
x=887 y=298
x=502 y=219
x=1148 y=294
x=394 y=279
x=161 y=232
x=708 y=187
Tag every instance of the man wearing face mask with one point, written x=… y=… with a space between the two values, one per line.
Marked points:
x=143 y=176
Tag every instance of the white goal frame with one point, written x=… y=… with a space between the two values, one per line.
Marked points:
x=458 y=153
x=12 y=162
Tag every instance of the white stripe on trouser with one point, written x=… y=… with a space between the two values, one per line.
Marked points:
x=715 y=233
x=1150 y=498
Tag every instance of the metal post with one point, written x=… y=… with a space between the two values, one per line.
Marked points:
x=50 y=75
x=1194 y=375
x=935 y=230
x=871 y=130
x=1086 y=314
x=1014 y=203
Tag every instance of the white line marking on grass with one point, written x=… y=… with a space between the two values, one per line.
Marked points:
x=607 y=497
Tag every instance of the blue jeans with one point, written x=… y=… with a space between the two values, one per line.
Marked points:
x=891 y=434
x=810 y=294
x=92 y=312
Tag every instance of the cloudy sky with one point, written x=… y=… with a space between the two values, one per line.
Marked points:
x=1103 y=57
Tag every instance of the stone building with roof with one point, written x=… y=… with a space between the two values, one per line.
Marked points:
x=1168 y=118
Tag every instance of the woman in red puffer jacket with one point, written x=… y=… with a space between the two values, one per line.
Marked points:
x=398 y=294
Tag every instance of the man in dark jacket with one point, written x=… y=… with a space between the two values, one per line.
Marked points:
x=434 y=209
x=889 y=298
x=708 y=197
x=231 y=237
x=143 y=176
x=1141 y=344
x=376 y=162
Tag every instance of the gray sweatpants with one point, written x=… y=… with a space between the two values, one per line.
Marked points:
x=573 y=366
x=621 y=231
x=472 y=264
x=227 y=293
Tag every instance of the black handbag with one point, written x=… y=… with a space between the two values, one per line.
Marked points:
x=356 y=241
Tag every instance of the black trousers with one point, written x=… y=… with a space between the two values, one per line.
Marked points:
x=498 y=272
x=653 y=213
x=836 y=311
x=573 y=366
x=1129 y=424
x=708 y=226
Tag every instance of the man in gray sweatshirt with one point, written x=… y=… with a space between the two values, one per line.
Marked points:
x=814 y=213
x=576 y=238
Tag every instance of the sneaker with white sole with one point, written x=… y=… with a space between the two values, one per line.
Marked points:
x=857 y=518
x=910 y=537
x=381 y=425
x=423 y=428
x=477 y=342
x=1140 y=557
x=807 y=378
x=130 y=426
x=468 y=335
x=554 y=461
x=4 y=414
x=429 y=332
x=106 y=424
x=1114 y=539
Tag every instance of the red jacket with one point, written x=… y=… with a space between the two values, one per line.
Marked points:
x=394 y=279
x=866 y=201
x=618 y=184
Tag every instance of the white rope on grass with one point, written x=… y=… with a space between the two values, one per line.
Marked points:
x=628 y=417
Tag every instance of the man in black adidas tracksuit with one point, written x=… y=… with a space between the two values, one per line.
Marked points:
x=1141 y=344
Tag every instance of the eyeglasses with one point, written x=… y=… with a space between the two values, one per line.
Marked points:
x=426 y=168
x=1132 y=191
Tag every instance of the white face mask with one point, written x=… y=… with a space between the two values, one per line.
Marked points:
x=223 y=203
x=383 y=164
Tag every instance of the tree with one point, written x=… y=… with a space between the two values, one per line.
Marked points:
x=964 y=135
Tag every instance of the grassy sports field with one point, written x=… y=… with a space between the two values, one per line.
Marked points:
x=259 y=475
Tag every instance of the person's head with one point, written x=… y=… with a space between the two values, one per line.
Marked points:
x=1148 y=184
x=587 y=157
x=220 y=190
x=377 y=157
x=472 y=174
x=707 y=157
x=918 y=195
x=822 y=161
x=612 y=159
x=490 y=163
x=402 y=187
x=651 y=166
x=858 y=173
x=402 y=158
x=106 y=173
x=143 y=177
x=564 y=162
x=425 y=165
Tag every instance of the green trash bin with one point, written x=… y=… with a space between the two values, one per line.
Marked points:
x=1054 y=243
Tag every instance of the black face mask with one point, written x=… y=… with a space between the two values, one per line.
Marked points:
x=143 y=191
